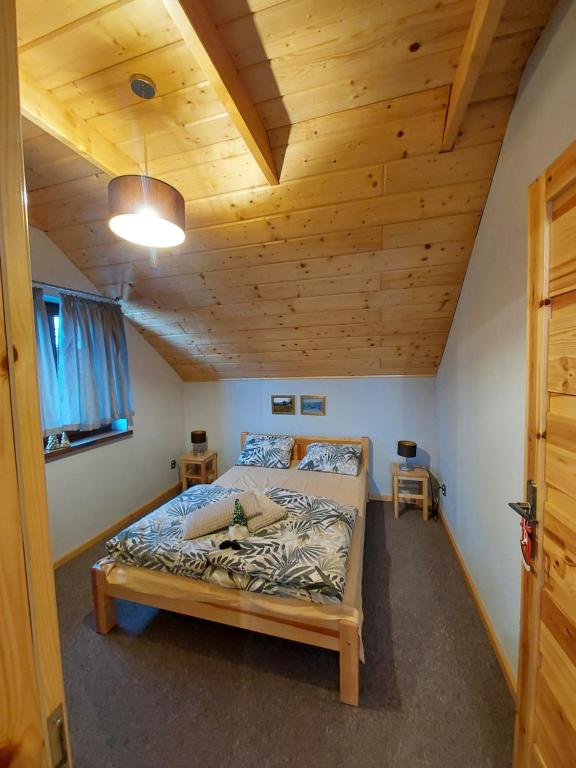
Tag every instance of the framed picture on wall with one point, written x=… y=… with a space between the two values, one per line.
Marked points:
x=312 y=405
x=284 y=404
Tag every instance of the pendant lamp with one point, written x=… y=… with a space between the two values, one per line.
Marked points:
x=144 y=210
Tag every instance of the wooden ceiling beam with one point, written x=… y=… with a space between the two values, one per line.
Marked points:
x=485 y=19
x=48 y=113
x=205 y=43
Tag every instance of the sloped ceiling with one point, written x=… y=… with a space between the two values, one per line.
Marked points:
x=353 y=264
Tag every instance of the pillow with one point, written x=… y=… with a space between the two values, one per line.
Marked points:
x=343 y=458
x=218 y=515
x=270 y=512
x=272 y=451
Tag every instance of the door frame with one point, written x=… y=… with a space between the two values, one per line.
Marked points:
x=27 y=471
x=551 y=187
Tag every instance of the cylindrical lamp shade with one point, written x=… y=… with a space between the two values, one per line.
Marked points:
x=146 y=211
x=199 y=441
x=406 y=449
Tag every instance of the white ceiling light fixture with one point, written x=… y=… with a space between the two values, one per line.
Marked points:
x=144 y=210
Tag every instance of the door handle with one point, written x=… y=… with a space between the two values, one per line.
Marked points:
x=523 y=509
x=527 y=509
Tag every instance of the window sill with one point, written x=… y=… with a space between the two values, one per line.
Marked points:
x=87 y=443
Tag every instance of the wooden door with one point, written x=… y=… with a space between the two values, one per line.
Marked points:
x=21 y=731
x=546 y=720
x=31 y=687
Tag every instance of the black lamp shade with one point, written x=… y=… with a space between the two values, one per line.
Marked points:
x=198 y=436
x=406 y=449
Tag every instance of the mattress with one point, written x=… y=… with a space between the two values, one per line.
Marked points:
x=318 y=532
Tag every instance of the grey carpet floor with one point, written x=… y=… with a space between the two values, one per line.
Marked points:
x=175 y=692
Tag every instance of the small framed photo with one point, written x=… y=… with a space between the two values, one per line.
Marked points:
x=284 y=404
x=312 y=405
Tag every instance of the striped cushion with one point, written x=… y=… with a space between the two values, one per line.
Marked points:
x=218 y=515
x=270 y=512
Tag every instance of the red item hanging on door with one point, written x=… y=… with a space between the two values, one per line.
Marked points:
x=526 y=543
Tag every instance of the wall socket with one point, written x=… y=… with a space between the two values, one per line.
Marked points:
x=173 y=464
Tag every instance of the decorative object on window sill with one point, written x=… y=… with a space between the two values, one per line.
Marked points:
x=52 y=443
x=199 y=442
x=312 y=405
x=64 y=441
x=406 y=449
x=144 y=210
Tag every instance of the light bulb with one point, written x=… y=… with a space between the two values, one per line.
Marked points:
x=147 y=228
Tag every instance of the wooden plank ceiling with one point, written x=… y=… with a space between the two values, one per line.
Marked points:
x=353 y=264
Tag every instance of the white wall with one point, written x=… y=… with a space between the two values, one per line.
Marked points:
x=481 y=382
x=91 y=490
x=384 y=409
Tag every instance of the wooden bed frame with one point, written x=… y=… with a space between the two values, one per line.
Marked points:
x=336 y=634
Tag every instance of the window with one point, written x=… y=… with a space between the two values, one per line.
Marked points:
x=53 y=311
x=83 y=370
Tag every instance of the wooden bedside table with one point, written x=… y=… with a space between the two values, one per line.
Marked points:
x=198 y=468
x=417 y=476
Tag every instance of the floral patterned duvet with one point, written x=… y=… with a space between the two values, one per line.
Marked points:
x=304 y=556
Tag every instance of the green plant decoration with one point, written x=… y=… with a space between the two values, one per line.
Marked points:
x=239 y=516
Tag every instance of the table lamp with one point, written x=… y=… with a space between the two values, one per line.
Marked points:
x=199 y=442
x=406 y=449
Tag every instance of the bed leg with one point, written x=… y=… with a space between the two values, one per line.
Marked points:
x=104 y=606
x=349 y=663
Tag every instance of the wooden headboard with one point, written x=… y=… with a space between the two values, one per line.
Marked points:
x=301 y=443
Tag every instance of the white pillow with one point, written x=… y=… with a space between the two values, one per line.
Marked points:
x=341 y=458
x=270 y=513
x=272 y=451
x=218 y=515
x=260 y=512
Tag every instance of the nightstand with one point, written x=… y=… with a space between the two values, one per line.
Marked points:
x=198 y=468
x=410 y=486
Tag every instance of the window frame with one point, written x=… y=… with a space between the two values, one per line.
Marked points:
x=81 y=439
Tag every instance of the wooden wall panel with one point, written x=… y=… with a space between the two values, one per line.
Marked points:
x=403 y=207
x=358 y=239
x=105 y=91
x=561 y=454
x=562 y=346
x=370 y=219
x=279 y=37
x=428 y=265
x=78 y=50
x=563 y=252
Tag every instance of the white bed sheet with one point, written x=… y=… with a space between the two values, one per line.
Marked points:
x=346 y=489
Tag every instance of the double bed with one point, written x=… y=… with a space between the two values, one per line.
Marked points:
x=330 y=622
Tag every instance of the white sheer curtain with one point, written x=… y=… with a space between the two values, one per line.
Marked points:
x=47 y=375
x=93 y=375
